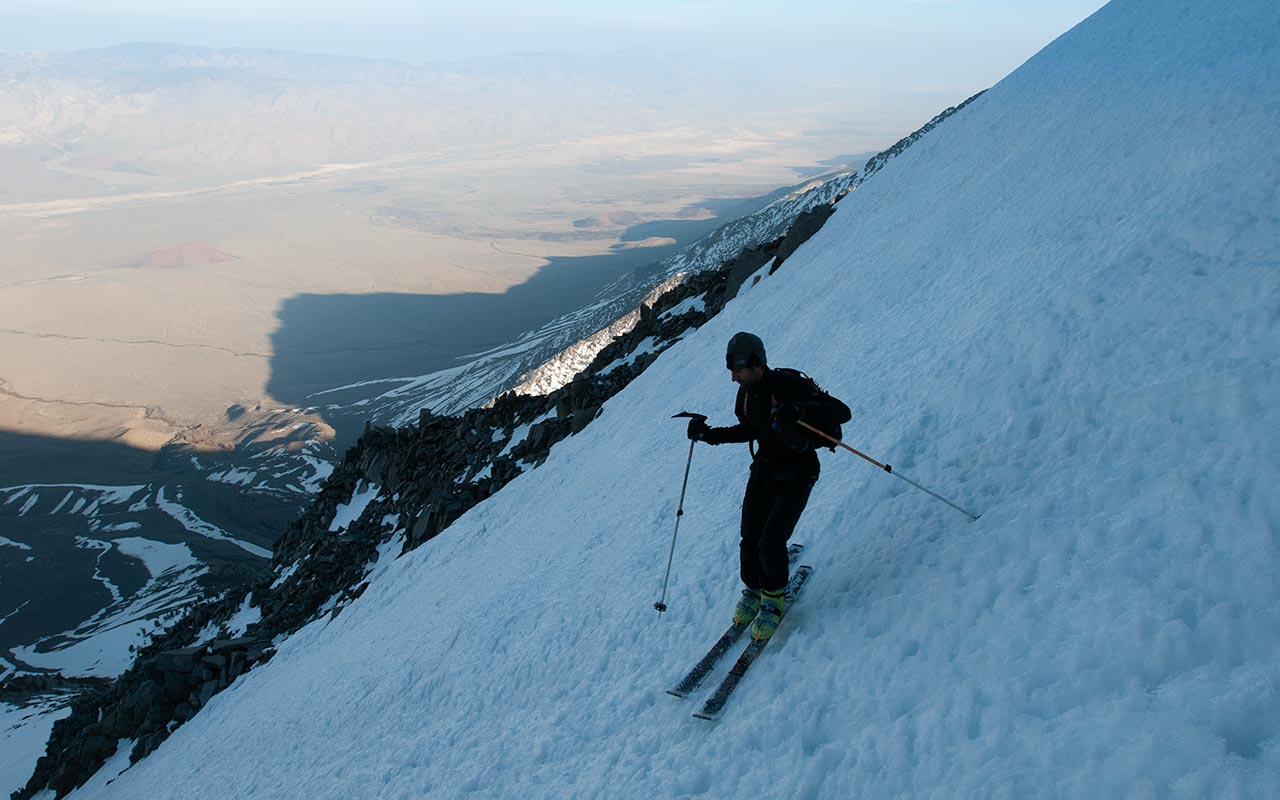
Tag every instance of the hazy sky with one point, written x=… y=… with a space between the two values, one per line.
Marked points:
x=927 y=41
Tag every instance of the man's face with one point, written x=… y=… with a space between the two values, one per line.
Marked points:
x=747 y=376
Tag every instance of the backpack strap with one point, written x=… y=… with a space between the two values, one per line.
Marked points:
x=751 y=443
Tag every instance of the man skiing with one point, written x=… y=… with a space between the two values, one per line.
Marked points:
x=784 y=468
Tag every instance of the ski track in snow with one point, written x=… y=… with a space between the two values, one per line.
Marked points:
x=1059 y=309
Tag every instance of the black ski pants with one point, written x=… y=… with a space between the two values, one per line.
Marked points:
x=770 y=510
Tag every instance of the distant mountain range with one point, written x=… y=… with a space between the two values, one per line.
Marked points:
x=150 y=107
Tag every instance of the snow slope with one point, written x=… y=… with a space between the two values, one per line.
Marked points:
x=23 y=733
x=1062 y=309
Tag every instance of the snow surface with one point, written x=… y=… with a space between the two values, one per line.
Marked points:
x=1060 y=309
x=320 y=471
x=698 y=303
x=158 y=557
x=350 y=511
x=85 y=543
x=235 y=477
x=109 y=494
x=248 y=614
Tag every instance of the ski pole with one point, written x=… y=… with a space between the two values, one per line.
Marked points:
x=889 y=470
x=661 y=605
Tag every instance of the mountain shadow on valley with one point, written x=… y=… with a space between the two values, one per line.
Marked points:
x=327 y=341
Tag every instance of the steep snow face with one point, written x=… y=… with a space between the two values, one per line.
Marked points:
x=1061 y=311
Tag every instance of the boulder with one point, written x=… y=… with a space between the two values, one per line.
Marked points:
x=180 y=660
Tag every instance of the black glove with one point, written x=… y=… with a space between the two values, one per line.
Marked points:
x=788 y=414
x=698 y=429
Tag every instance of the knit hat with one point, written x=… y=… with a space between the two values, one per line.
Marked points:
x=745 y=350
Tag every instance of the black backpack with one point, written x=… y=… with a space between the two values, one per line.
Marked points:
x=831 y=429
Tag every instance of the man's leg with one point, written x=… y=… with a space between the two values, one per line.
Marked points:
x=787 y=500
x=756 y=507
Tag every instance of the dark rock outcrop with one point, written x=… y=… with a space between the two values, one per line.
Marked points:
x=159 y=693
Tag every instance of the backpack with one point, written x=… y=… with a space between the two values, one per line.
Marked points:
x=831 y=429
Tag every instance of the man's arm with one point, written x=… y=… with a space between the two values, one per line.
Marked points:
x=741 y=432
x=733 y=433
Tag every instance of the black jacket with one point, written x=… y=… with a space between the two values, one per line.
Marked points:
x=785 y=451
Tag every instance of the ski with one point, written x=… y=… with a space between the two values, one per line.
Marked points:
x=714 y=706
x=700 y=670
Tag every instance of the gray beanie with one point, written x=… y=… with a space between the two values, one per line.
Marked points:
x=745 y=350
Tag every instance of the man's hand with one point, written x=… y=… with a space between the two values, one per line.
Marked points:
x=698 y=430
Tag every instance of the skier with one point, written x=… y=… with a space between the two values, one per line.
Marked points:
x=783 y=469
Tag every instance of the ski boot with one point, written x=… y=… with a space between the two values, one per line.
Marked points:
x=747 y=607
x=766 y=622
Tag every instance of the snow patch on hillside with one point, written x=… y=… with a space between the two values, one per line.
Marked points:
x=248 y=614
x=102 y=646
x=189 y=520
x=158 y=557
x=350 y=511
